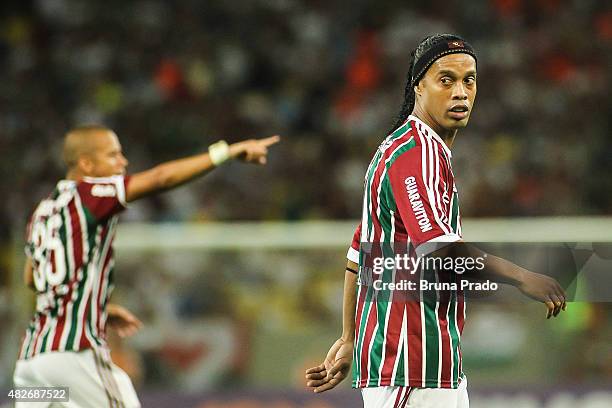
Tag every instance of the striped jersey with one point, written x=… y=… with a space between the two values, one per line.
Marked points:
x=69 y=242
x=410 y=197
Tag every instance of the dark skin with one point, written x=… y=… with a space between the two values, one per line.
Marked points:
x=444 y=99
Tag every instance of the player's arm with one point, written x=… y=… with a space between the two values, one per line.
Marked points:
x=534 y=285
x=176 y=172
x=436 y=237
x=337 y=363
x=28 y=273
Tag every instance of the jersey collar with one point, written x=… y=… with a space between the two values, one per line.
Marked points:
x=433 y=134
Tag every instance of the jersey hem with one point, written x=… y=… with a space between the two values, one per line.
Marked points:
x=415 y=382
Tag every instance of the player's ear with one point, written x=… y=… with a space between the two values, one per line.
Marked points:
x=85 y=164
x=418 y=89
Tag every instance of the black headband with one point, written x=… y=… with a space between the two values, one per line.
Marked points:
x=440 y=49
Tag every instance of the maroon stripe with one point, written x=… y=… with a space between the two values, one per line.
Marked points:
x=415 y=344
x=365 y=346
x=392 y=337
x=443 y=306
x=77 y=236
x=40 y=327
x=398 y=397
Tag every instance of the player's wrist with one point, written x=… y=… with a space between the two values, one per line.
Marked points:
x=219 y=152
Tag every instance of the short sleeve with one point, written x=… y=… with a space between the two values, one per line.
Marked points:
x=353 y=251
x=103 y=197
x=417 y=179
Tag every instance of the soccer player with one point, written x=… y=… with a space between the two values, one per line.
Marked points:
x=70 y=263
x=406 y=353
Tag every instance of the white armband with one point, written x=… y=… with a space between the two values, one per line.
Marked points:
x=219 y=152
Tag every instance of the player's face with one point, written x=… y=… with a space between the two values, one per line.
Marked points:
x=447 y=91
x=107 y=159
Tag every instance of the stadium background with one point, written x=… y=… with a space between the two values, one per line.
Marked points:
x=242 y=321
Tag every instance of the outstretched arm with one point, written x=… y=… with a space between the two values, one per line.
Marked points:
x=122 y=320
x=337 y=363
x=534 y=285
x=174 y=173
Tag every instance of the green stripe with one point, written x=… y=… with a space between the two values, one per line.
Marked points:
x=64 y=238
x=431 y=334
x=399 y=373
x=31 y=329
x=400 y=151
x=382 y=300
x=455 y=212
x=454 y=335
x=43 y=347
x=364 y=314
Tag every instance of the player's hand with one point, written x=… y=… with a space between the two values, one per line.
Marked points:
x=544 y=289
x=253 y=150
x=122 y=320
x=334 y=369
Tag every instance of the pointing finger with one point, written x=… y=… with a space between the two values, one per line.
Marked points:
x=269 y=141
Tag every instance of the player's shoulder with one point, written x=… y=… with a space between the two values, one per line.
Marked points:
x=100 y=187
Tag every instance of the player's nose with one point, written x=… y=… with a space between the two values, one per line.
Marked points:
x=459 y=91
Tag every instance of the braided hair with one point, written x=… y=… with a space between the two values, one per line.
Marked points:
x=409 y=98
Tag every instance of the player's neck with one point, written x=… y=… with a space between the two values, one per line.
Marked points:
x=447 y=135
x=74 y=175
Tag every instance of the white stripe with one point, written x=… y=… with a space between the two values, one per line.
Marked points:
x=30 y=352
x=423 y=335
x=25 y=344
x=384 y=345
x=439 y=331
x=401 y=346
x=87 y=290
x=392 y=238
x=427 y=150
x=84 y=229
x=97 y=284
x=450 y=338
x=43 y=331
x=433 y=191
x=371 y=345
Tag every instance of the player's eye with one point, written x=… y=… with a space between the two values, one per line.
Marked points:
x=470 y=80
x=446 y=80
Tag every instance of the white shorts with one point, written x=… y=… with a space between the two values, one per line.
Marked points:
x=410 y=397
x=90 y=375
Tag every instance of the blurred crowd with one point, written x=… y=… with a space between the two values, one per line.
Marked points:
x=173 y=77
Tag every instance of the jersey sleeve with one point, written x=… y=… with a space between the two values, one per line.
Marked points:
x=103 y=197
x=353 y=251
x=418 y=178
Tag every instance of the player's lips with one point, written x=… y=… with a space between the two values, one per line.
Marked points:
x=459 y=111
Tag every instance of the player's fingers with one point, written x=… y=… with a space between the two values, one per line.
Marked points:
x=315 y=370
x=550 y=306
x=262 y=160
x=558 y=304
x=337 y=369
x=269 y=141
x=317 y=376
x=327 y=386
x=316 y=383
